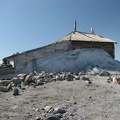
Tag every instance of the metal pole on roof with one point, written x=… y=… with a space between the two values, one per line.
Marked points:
x=75 y=25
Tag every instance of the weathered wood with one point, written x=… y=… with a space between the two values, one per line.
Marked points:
x=108 y=47
x=7 y=71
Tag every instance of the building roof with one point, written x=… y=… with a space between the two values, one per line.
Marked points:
x=82 y=36
x=75 y=36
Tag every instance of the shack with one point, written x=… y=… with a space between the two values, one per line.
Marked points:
x=73 y=40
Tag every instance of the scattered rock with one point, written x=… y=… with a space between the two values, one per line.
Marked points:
x=59 y=115
x=9 y=87
x=108 y=81
x=104 y=73
x=39 y=82
x=116 y=80
x=36 y=77
x=49 y=109
x=96 y=70
x=89 y=82
x=51 y=75
x=4 y=82
x=3 y=89
x=37 y=110
x=75 y=102
x=63 y=75
x=58 y=77
x=90 y=97
x=76 y=77
x=69 y=77
x=21 y=76
x=19 y=86
x=37 y=118
x=15 y=91
x=16 y=81
x=53 y=118
x=59 y=110
x=65 y=116
x=28 y=79
x=85 y=78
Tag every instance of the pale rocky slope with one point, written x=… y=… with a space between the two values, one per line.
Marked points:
x=98 y=101
x=74 y=61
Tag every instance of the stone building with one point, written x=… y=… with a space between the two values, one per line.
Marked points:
x=73 y=40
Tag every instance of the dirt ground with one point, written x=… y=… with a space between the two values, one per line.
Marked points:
x=99 y=101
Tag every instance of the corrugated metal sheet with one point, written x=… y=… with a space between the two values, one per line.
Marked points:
x=82 y=36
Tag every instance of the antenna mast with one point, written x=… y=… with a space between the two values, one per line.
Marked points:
x=75 y=25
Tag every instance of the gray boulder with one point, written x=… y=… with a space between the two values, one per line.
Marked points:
x=15 y=91
x=16 y=80
x=59 y=110
x=69 y=77
x=53 y=118
x=104 y=73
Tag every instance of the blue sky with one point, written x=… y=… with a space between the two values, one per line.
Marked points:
x=29 y=24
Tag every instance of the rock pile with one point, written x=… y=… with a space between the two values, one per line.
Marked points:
x=20 y=81
x=34 y=79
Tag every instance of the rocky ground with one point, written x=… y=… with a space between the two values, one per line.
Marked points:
x=69 y=100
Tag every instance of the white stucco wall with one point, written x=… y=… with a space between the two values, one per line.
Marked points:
x=21 y=60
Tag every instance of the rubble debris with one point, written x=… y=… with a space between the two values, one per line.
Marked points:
x=76 y=76
x=15 y=91
x=34 y=79
x=116 y=80
x=96 y=70
x=104 y=73
x=38 y=118
x=59 y=110
x=59 y=115
x=49 y=109
x=53 y=118
x=3 y=89
x=85 y=78
x=89 y=82
x=16 y=81
x=9 y=87
x=69 y=77
x=109 y=79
